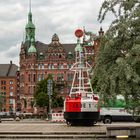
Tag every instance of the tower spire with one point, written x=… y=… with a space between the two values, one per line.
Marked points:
x=30 y=27
x=30 y=13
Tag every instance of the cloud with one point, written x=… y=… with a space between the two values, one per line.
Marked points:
x=49 y=16
x=12 y=54
x=13 y=51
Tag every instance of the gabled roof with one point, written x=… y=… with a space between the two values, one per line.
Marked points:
x=42 y=48
x=8 y=70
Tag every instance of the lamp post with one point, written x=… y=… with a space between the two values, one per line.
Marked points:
x=49 y=89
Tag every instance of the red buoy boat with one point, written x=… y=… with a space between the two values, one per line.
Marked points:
x=81 y=106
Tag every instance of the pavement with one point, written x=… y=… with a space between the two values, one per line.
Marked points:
x=45 y=129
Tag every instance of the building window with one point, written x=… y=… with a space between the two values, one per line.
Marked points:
x=42 y=66
x=60 y=77
x=59 y=66
x=11 y=88
x=3 y=87
x=49 y=66
x=34 y=77
x=39 y=77
x=11 y=82
x=60 y=56
x=11 y=93
x=42 y=77
x=11 y=101
x=3 y=82
x=3 y=93
x=39 y=66
x=62 y=66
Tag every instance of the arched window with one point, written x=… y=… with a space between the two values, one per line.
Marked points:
x=60 y=77
x=59 y=66
x=39 y=77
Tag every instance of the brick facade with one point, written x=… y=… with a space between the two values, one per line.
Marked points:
x=55 y=59
x=8 y=87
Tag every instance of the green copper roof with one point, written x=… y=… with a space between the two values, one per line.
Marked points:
x=32 y=48
x=78 y=47
x=30 y=23
x=30 y=27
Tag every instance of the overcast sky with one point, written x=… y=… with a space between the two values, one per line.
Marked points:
x=49 y=16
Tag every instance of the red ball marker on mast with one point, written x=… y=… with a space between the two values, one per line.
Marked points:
x=79 y=33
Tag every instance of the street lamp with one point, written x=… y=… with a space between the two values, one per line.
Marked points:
x=49 y=89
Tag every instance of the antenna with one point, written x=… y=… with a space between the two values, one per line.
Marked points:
x=84 y=34
x=30 y=5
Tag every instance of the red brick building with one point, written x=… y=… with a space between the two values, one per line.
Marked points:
x=9 y=87
x=37 y=60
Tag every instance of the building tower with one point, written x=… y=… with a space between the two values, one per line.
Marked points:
x=28 y=56
x=30 y=27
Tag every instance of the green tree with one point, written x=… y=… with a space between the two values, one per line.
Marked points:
x=117 y=69
x=42 y=99
x=1 y=98
x=41 y=94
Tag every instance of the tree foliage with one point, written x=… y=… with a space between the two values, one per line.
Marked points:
x=117 y=69
x=42 y=97
x=1 y=98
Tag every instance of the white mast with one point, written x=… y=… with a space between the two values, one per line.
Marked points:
x=81 y=84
